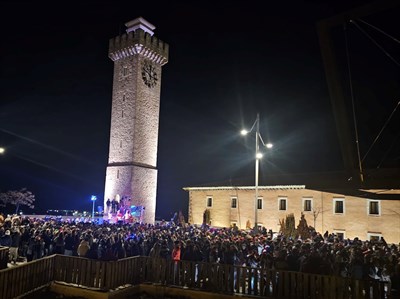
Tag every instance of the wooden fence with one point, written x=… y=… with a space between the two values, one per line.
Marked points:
x=218 y=278
x=22 y=279
x=4 y=253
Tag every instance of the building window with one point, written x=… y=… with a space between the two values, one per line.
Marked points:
x=374 y=236
x=341 y=234
x=123 y=98
x=374 y=207
x=120 y=143
x=125 y=70
x=209 y=202
x=282 y=204
x=233 y=202
x=122 y=113
x=307 y=204
x=117 y=174
x=259 y=203
x=338 y=206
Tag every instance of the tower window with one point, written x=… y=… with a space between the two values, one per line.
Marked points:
x=118 y=174
x=259 y=203
x=374 y=236
x=307 y=204
x=122 y=113
x=341 y=234
x=209 y=202
x=123 y=98
x=120 y=144
x=125 y=70
x=282 y=204
x=374 y=207
x=338 y=206
x=234 y=202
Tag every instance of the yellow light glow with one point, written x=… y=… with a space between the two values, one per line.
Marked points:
x=2 y=150
x=243 y=132
x=269 y=145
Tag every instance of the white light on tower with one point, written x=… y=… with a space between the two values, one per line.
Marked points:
x=2 y=150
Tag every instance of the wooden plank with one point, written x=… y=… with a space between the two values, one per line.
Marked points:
x=306 y=288
x=312 y=284
x=11 y=285
x=2 y=284
x=83 y=269
x=90 y=273
x=98 y=271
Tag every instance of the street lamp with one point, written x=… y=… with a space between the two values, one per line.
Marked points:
x=258 y=156
x=2 y=150
x=93 y=199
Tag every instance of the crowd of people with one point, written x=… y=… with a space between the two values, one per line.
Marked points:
x=326 y=253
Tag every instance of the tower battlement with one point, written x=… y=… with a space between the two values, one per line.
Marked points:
x=138 y=42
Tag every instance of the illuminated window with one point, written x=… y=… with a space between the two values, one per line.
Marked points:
x=338 y=206
x=233 y=202
x=374 y=207
x=209 y=202
x=259 y=203
x=282 y=204
x=307 y=204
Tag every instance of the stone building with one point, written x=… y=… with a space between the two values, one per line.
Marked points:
x=131 y=174
x=348 y=216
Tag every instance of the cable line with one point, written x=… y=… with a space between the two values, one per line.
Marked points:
x=380 y=132
x=352 y=103
x=376 y=43
x=380 y=30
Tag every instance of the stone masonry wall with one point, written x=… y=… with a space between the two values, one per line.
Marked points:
x=354 y=222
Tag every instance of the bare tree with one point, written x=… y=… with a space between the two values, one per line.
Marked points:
x=315 y=213
x=19 y=198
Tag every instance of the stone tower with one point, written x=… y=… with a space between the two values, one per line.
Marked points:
x=132 y=164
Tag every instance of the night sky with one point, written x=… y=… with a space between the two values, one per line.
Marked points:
x=229 y=60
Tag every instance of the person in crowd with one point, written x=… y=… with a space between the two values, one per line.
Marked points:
x=83 y=247
x=5 y=239
x=15 y=244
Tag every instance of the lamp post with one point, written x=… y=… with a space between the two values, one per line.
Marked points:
x=258 y=156
x=93 y=199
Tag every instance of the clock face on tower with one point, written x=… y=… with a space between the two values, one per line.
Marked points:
x=149 y=74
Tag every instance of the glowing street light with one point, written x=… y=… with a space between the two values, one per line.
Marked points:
x=2 y=150
x=258 y=156
x=93 y=199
